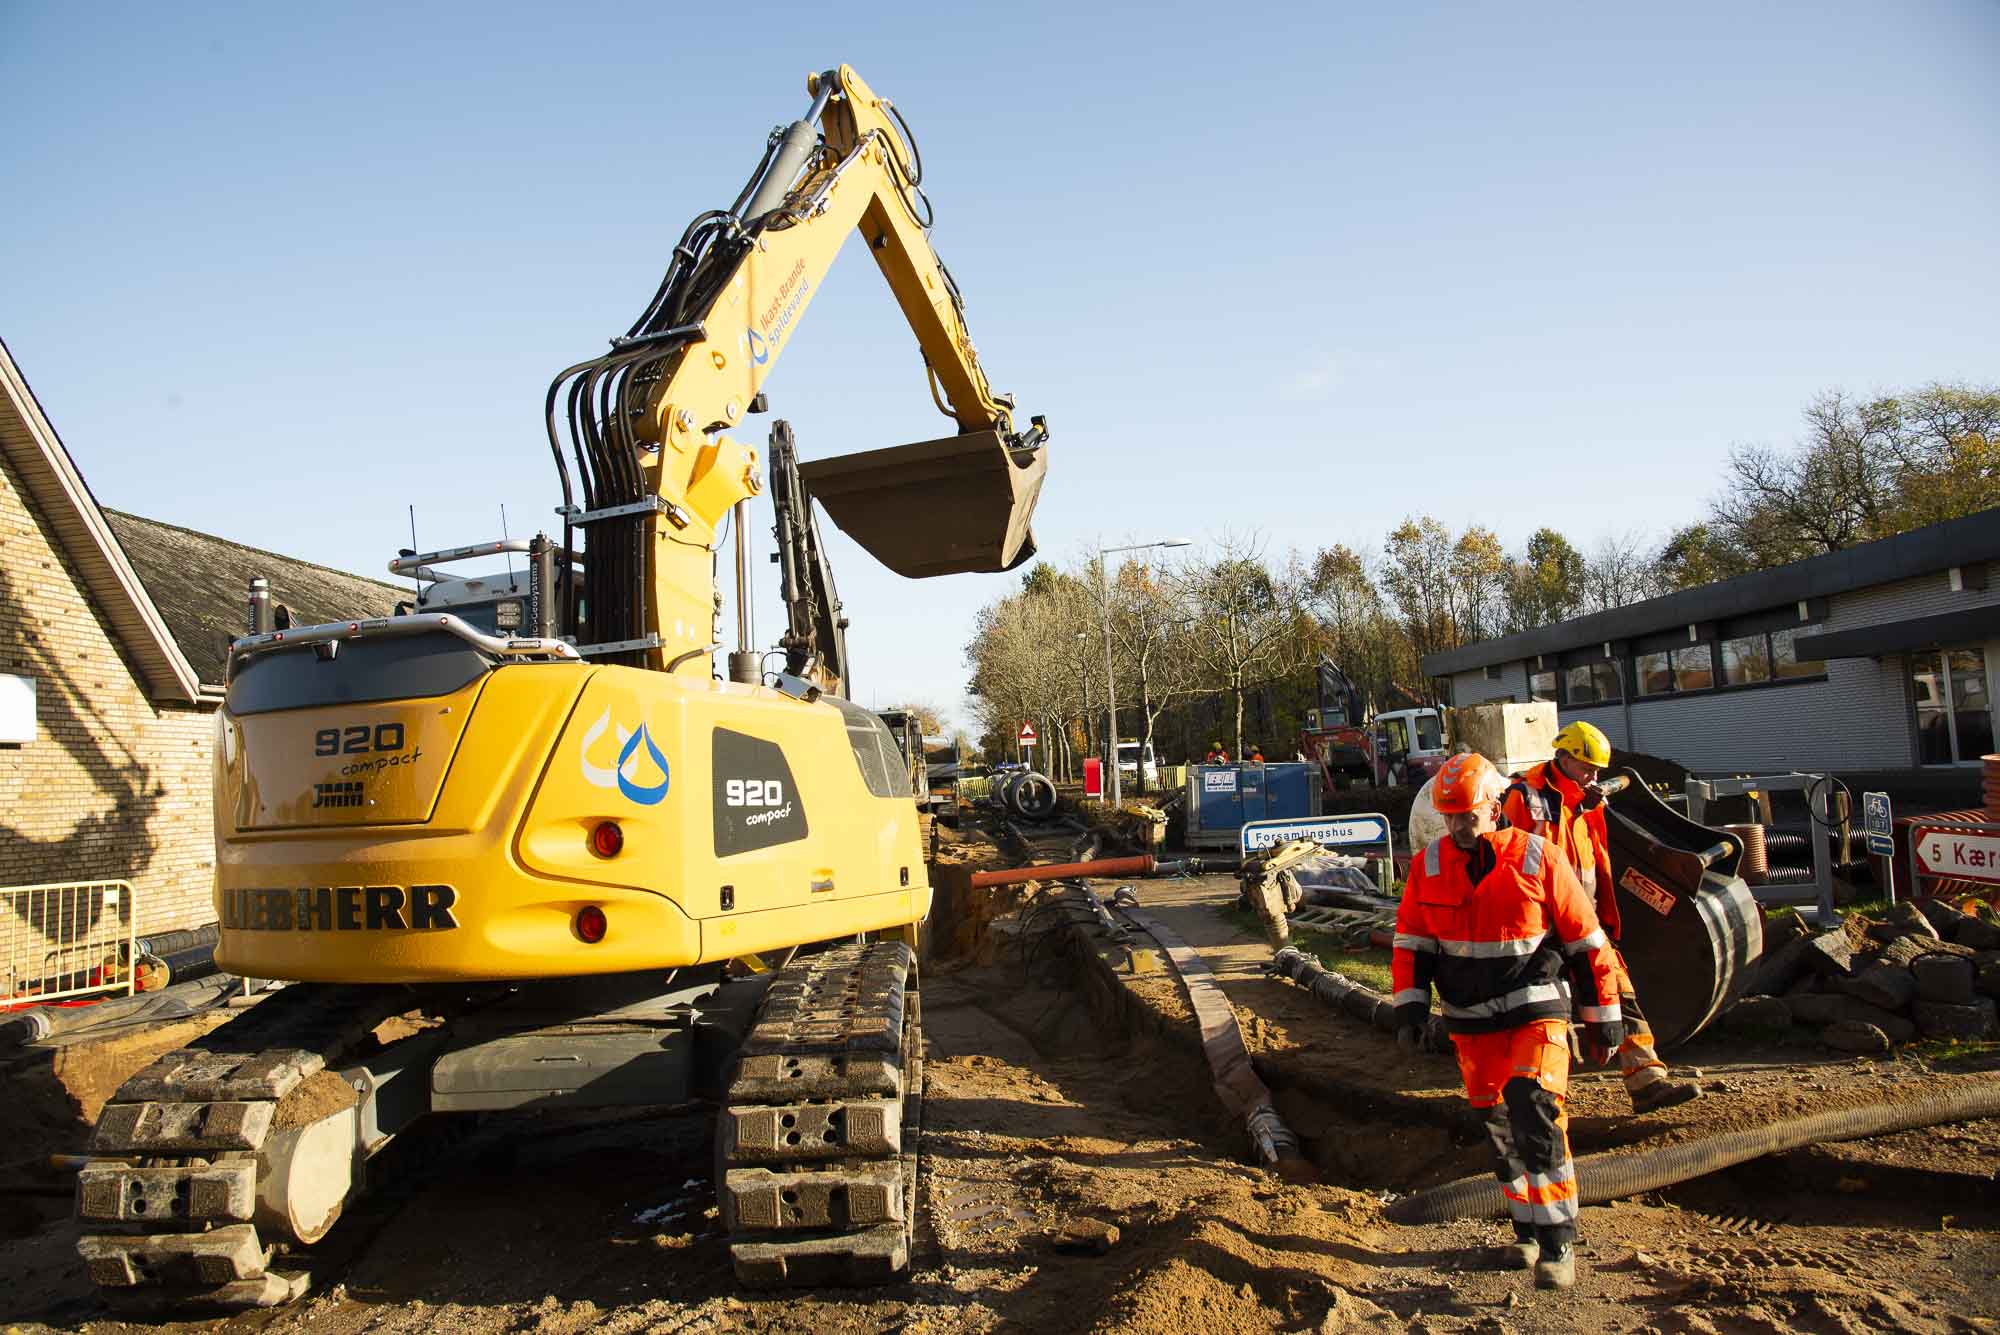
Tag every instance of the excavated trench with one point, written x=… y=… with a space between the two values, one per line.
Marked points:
x=1367 y=1134
x=1355 y=1134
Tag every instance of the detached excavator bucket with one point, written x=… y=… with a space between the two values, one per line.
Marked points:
x=938 y=507
x=1691 y=927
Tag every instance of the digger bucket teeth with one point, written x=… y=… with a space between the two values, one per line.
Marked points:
x=938 y=507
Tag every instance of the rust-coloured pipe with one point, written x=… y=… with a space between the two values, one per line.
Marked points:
x=1142 y=865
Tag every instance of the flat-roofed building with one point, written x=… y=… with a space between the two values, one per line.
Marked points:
x=1885 y=656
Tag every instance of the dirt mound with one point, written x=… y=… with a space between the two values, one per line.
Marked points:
x=321 y=1094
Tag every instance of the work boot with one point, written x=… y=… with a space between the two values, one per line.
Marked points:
x=1663 y=1094
x=1522 y=1252
x=1556 y=1268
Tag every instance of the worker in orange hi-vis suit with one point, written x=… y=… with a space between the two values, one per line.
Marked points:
x=1559 y=800
x=1494 y=918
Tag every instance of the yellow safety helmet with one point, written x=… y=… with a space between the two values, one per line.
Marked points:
x=1587 y=742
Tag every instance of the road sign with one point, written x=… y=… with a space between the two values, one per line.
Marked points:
x=1881 y=830
x=1968 y=857
x=1026 y=736
x=1328 y=831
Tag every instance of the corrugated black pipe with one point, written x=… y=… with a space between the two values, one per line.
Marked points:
x=1607 y=1177
x=173 y=943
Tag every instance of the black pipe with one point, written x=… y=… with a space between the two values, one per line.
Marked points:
x=173 y=943
x=184 y=966
x=1341 y=993
x=1618 y=1173
x=173 y=1003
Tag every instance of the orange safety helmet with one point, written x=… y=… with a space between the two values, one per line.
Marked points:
x=1465 y=782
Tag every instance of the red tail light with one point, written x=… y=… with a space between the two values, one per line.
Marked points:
x=590 y=923
x=607 y=839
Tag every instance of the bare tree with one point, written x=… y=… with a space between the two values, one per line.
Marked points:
x=1619 y=570
x=1248 y=625
x=930 y=717
x=1151 y=626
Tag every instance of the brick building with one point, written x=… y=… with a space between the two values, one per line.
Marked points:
x=112 y=637
x=1883 y=658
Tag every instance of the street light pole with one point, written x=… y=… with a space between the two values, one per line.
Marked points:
x=1110 y=683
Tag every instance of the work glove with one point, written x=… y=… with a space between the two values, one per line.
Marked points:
x=1601 y=1040
x=1411 y=1018
x=1593 y=797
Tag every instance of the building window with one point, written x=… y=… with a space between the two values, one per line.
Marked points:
x=1785 y=662
x=1493 y=672
x=1656 y=674
x=1954 y=715
x=1694 y=668
x=1591 y=684
x=1746 y=660
x=1542 y=686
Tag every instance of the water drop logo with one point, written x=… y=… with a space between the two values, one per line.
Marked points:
x=760 y=351
x=625 y=775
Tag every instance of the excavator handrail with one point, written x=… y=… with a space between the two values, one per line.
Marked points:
x=425 y=623
x=416 y=565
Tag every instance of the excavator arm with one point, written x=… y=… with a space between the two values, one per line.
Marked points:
x=649 y=423
x=815 y=638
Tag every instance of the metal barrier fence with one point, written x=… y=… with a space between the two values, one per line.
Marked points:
x=65 y=939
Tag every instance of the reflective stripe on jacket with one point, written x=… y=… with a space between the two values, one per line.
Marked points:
x=1499 y=951
x=1541 y=801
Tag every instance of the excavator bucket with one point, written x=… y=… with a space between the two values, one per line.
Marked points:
x=938 y=507
x=1691 y=928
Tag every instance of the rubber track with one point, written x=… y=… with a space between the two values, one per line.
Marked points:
x=817 y=1143
x=177 y=1258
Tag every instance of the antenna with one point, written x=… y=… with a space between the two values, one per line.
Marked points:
x=416 y=581
x=504 y=540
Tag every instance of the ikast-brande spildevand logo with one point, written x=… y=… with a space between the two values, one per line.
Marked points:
x=637 y=768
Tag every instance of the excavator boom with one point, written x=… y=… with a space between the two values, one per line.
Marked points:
x=648 y=425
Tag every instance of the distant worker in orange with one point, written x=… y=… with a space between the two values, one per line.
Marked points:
x=1256 y=754
x=1494 y=919
x=1560 y=801
x=1216 y=755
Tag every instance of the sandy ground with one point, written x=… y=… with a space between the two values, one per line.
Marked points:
x=1052 y=1112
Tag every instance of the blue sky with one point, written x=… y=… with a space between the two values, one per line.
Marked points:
x=278 y=273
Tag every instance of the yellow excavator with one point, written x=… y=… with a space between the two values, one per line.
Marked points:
x=521 y=846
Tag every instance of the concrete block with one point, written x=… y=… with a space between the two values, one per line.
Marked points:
x=1889 y=986
x=1831 y=955
x=1941 y=1020
x=1944 y=978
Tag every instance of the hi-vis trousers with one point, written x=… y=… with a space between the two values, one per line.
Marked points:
x=1521 y=1076
x=1638 y=1061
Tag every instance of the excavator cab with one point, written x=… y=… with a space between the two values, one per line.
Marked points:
x=957 y=505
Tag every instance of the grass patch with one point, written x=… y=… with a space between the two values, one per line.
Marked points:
x=1957 y=1053
x=1369 y=967
x=1876 y=908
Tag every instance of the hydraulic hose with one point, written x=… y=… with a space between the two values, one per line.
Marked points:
x=1617 y=1173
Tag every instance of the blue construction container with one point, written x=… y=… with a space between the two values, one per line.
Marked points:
x=1221 y=799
